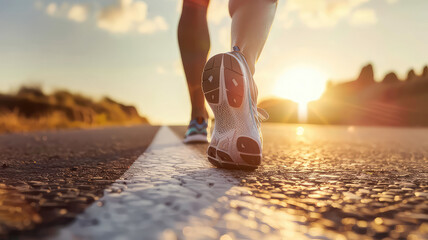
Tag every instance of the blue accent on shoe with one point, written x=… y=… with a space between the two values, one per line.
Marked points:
x=197 y=126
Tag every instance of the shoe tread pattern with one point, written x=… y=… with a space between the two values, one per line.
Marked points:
x=249 y=149
x=211 y=79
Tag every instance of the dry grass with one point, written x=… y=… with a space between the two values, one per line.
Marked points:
x=12 y=121
x=30 y=109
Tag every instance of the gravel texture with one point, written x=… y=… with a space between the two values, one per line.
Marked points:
x=171 y=192
x=358 y=182
x=315 y=182
x=47 y=178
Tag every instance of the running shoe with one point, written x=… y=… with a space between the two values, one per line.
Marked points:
x=231 y=92
x=196 y=131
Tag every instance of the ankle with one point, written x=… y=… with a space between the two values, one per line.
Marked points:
x=199 y=113
x=252 y=68
x=251 y=60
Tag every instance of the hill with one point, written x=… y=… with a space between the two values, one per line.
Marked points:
x=280 y=110
x=364 y=101
x=31 y=109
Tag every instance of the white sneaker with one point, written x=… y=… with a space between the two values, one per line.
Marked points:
x=230 y=90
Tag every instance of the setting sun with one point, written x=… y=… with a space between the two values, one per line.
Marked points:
x=301 y=84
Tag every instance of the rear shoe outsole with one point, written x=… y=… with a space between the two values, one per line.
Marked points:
x=234 y=80
x=248 y=149
x=231 y=166
x=221 y=159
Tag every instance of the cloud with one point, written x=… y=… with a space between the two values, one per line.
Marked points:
x=158 y=23
x=364 y=16
x=74 y=12
x=51 y=9
x=318 y=13
x=78 y=13
x=126 y=16
x=122 y=17
x=171 y=68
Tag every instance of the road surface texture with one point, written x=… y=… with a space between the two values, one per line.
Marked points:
x=359 y=182
x=46 y=178
x=316 y=182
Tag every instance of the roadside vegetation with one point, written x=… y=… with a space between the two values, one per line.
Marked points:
x=31 y=109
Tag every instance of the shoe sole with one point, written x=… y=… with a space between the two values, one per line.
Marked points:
x=225 y=89
x=197 y=138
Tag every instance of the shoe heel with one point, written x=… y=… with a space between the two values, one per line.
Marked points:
x=249 y=150
x=234 y=81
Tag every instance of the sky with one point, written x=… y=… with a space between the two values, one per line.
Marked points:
x=127 y=49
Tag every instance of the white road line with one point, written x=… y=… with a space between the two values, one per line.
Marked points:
x=172 y=192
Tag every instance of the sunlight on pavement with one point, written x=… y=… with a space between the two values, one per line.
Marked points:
x=300 y=131
x=15 y=211
x=184 y=198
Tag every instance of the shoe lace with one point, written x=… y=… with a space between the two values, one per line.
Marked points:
x=260 y=115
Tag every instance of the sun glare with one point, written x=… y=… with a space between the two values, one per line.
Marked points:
x=300 y=131
x=301 y=84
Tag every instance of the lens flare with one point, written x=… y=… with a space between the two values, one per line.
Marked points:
x=301 y=84
x=300 y=131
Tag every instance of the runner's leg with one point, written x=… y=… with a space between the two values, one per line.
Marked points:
x=194 y=43
x=251 y=23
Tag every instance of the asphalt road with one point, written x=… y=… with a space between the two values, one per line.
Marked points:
x=47 y=178
x=339 y=182
x=359 y=182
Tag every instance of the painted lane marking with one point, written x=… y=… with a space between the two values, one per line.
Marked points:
x=172 y=192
